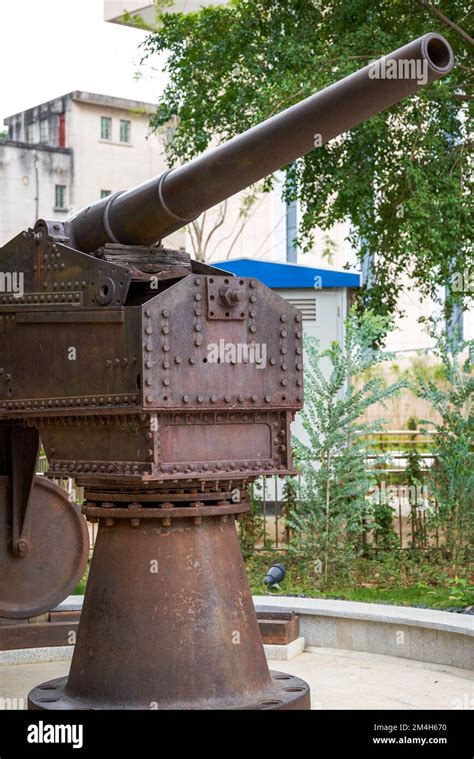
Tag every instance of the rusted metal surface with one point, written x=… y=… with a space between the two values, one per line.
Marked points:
x=29 y=635
x=41 y=578
x=180 y=593
x=278 y=628
x=60 y=629
x=161 y=206
x=164 y=387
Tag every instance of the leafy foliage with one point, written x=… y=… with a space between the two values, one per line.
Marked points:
x=400 y=179
x=251 y=523
x=333 y=508
x=451 y=480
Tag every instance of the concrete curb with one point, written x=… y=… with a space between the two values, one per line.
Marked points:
x=438 y=637
x=35 y=655
x=279 y=652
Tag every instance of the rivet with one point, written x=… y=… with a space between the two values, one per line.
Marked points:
x=185 y=398
x=165 y=313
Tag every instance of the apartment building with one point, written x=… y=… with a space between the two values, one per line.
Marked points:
x=64 y=154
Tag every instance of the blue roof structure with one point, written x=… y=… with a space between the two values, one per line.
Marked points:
x=287 y=275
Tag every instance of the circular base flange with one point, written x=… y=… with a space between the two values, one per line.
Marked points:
x=285 y=692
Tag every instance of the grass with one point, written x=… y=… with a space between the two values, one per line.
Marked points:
x=393 y=580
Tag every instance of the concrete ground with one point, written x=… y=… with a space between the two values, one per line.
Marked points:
x=338 y=679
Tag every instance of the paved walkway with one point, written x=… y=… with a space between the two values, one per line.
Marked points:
x=338 y=679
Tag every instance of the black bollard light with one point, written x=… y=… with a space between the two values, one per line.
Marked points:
x=274 y=576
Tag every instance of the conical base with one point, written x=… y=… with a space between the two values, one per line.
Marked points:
x=168 y=623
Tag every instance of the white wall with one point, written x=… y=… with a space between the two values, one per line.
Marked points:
x=18 y=185
x=112 y=165
x=113 y=9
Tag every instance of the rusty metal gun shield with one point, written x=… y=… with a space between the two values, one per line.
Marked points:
x=38 y=581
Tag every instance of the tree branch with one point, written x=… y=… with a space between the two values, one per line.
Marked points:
x=436 y=12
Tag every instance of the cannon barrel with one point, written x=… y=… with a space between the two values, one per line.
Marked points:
x=160 y=206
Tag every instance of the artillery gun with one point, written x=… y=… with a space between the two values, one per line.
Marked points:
x=104 y=358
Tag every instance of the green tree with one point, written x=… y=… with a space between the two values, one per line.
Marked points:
x=332 y=509
x=451 y=479
x=400 y=179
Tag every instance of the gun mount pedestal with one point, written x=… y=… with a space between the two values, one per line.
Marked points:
x=168 y=619
x=164 y=387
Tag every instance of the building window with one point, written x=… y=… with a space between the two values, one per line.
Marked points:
x=44 y=131
x=105 y=193
x=32 y=132
x=105 y=128
x=60 y=196
x=62 y=130
x=125 y=130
